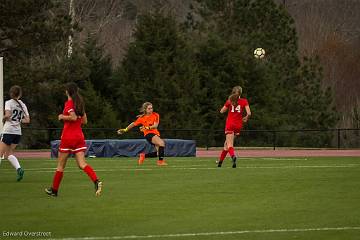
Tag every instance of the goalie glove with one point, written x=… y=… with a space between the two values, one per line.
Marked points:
x=122 y=130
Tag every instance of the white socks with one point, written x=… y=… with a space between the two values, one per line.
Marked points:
x=14 y=161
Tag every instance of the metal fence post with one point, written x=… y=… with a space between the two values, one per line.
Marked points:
x=50 y=134
x=274 y=140
x=207 y=141
x=338 y=138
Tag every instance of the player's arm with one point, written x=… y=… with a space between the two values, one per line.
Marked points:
x=223 y=109
x=71 y=117
x=8 y=112
x=248 y=113
x=84 y=119
x=124 y=130
x=7 y=115
x=154 y=126
x=26 y=119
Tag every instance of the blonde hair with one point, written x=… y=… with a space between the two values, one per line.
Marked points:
x=143 y=108
x=235 y=94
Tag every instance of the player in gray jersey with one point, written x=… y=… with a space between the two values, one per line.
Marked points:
x=16 y=113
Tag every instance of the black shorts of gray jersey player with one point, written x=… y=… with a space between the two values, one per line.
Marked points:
x=9 y=139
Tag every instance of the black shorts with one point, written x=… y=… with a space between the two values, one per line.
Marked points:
x=149 y=137
x=9 y=139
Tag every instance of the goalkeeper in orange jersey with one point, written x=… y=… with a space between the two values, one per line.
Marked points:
x=149 y=121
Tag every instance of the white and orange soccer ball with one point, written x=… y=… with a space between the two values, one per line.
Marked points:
x=259 y=53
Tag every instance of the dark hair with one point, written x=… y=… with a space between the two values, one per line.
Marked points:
x=15 y=92
x=235 y=94
x=79 y=104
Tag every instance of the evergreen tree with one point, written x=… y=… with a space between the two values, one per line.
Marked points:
x=34 y=37
x=32 y=34
x=248 y=24
x=158 y=68
x=101 y=67
x=314 y=104
x=271 y=83
x=80 y=68
x=29 y=27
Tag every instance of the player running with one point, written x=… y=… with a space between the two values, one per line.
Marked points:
x=149 y=121
x=234 y=122
x=16 y=113
x=72 y=140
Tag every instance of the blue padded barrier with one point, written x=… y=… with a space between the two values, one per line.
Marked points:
x=132 y=147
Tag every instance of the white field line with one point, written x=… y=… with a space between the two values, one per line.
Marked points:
x=71 y=169
x=182 y=159
x=271 y=159
x=176 y=235
x=306 y=166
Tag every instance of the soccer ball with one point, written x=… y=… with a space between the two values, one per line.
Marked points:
x=259 y=53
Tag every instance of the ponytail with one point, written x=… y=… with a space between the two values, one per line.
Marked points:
x=233 y=98
x=235 y=94
x=79 y=104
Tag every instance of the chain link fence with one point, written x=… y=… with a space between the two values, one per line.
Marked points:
x=40 y=138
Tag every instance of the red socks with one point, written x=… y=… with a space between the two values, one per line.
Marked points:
x=59 y=175
x=231 y=152
x=91 y=173
x=57 y=179
x=223 y=155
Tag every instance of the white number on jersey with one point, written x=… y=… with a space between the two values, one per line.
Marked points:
x=238 y=108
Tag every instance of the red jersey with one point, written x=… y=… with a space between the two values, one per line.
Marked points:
x=235 y=113
x=72 y=129
x=147 y=121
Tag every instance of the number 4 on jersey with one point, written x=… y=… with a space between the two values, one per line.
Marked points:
x=238 y=108
x=17 y=115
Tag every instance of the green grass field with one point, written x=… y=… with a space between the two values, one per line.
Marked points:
x=264 y=198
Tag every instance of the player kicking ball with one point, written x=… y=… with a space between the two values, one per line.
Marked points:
x=149 y=122
x=234 y=122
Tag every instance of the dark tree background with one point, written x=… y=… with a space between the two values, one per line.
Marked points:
x=185 y=66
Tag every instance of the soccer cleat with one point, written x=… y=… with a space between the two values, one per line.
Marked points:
x=141 y=158
x=219 y=163
x=98 y=187
x=20 y=174
x=51 y=192
x=161 y=163
x=234 y=162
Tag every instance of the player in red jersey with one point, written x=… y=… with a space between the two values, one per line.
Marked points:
x=234 y=122
x=149 y=121
x=72 y=140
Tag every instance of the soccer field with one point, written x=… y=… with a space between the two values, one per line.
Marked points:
x=264 y=198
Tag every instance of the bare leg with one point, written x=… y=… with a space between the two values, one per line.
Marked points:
x=7 y=152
